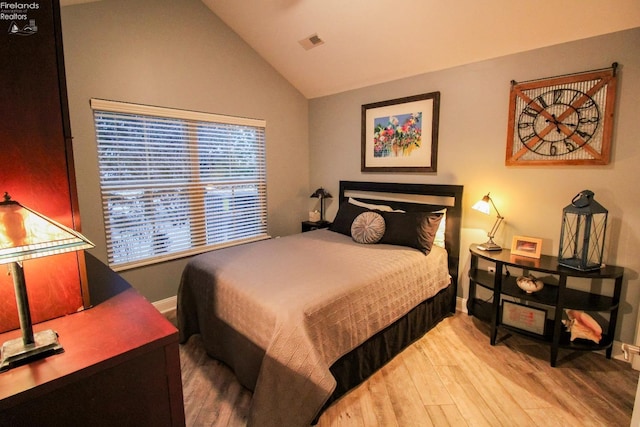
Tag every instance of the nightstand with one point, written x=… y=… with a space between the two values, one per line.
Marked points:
x=310 y=225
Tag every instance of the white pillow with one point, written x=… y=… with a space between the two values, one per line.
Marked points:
x=383 y=208
x=368 y=227
x=439 y=239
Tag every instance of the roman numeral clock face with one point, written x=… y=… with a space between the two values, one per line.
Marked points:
x=563 y=120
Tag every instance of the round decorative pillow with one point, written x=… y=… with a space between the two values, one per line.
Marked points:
x=368 y=227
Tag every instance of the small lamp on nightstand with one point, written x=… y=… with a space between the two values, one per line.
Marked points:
x=321 y=194
x=26 y=234
x=484 y=205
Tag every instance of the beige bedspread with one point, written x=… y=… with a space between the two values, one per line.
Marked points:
x=306 y=300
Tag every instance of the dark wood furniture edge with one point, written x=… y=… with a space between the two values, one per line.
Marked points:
x=68 y=143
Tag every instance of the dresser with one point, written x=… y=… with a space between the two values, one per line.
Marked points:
x=120 y=366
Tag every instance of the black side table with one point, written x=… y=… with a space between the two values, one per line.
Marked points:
x=311 y=225
x=555 y=297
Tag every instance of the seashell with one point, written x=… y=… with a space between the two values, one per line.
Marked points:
x=581 y=325
x=529 y=284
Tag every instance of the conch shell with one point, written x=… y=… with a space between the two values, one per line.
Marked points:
x=529 y=284
x=581 y=325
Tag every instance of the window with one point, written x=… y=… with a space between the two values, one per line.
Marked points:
x=176 y=182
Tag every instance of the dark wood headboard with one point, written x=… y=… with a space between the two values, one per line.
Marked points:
x=411 y=197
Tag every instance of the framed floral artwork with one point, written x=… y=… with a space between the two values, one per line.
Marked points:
x=401 y=135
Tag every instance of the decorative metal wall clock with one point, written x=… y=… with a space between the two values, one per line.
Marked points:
x=565 y=120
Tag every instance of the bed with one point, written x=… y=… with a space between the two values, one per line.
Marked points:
x=302 y=319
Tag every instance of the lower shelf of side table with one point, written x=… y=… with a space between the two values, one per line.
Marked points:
x=482 y=310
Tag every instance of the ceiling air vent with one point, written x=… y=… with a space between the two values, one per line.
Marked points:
x=311 y=42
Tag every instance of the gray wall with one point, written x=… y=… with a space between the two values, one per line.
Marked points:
x=472 y=144
x=178 y=54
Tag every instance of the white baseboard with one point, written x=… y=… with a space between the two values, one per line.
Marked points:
x=616 y=353
x=461 y=305
x=166 y=305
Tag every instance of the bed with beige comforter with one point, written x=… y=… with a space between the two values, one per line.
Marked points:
x=279 y=312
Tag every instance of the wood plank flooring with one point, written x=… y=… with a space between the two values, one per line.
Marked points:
x=450 y=377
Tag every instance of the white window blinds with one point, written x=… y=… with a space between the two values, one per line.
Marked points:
x=176 y=182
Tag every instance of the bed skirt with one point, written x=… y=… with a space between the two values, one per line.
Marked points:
x=356 y=366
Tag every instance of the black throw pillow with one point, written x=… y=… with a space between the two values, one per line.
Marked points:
x=347 y=212
x=413 y=229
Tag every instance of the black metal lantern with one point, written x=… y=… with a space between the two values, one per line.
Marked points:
x=584 y=225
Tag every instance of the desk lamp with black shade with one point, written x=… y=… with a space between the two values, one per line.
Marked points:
x=321 y=194
x=26 y=234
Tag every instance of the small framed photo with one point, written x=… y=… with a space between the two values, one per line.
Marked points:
x=524 y=317
x=401 y=135
x=526 y=246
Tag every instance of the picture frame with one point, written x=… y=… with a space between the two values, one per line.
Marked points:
x=524 y=317
x=401 y=135
x=530 y=247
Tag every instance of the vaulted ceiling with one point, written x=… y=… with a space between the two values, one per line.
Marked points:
x=373 y=41
x=365 y=42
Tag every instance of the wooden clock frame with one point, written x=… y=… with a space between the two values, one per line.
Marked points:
x=530 y=119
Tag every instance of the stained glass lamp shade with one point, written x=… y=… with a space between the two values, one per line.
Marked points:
x=26 y=234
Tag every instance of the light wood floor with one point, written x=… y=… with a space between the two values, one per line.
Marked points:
x=450 y=377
